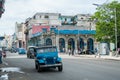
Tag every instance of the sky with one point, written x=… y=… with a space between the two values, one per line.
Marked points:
x=19 y=10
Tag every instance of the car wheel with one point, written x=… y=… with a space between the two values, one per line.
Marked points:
x=60 y=68
x=39 y=69
x=36 y=65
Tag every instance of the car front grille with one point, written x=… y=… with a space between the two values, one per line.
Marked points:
x=50 y=61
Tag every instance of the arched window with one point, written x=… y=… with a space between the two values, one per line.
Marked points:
x=81 y=42
x=62 y=45
x=90 y=45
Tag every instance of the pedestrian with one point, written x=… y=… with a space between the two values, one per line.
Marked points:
x=4 y=53
x=79 y=51
x=0 y=56
x=118 y=50
x=76 y=51
x=84 y=51
x=96 y=52
x=69 y=51
x=73 y=51
x=64 y=50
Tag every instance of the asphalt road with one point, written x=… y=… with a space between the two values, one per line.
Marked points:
x=74 y=68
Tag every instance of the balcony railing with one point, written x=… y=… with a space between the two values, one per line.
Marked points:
x=67 y=27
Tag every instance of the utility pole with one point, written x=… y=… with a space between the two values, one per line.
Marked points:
x=115 y=32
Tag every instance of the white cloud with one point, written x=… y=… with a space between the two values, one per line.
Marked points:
x=19 y=10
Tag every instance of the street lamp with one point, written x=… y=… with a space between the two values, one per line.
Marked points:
x=115 y=32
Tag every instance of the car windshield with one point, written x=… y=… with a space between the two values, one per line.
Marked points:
x=45 y=50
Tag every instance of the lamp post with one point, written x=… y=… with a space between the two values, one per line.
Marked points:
x=115 y=32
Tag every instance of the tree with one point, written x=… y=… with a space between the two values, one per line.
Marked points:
x=105 y=21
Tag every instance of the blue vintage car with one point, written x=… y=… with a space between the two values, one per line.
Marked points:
x=47 y=57
x=21 y=51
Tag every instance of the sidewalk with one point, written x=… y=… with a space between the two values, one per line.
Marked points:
x=93 y=56
x=101 y=57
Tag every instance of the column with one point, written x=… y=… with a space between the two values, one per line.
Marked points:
x=57 y=42
x=66 y=45
x=54 y=40
x=85 y=42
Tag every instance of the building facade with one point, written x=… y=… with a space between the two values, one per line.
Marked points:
x=20 y=41
x=66 y=32
x=1 y=41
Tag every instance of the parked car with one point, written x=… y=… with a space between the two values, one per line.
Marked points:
x=47 y=57
x=31 y=51
x=21 y=51
x=5 y=48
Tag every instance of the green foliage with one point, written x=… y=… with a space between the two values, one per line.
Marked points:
x=105 y=21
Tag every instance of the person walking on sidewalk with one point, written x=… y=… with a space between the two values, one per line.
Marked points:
x=72 y=51
x=118 y=51
x=0 y=56
x=4 y=53
x=69 y=51
x=96 y=52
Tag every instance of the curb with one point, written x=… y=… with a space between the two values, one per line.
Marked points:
x=97 y=57
x=111 y=59
x=100 y=58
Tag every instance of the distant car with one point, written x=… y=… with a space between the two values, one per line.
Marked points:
x=21 y=51
x=31 y=51
x=5 y=48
